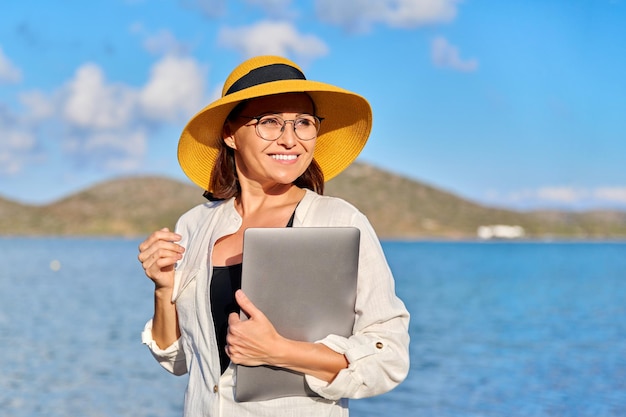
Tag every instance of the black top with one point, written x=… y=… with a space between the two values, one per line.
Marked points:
x=226 y=281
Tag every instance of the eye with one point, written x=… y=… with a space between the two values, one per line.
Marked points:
x=305 y=122
x=270 y=121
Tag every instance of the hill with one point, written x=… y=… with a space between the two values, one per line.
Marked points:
x=401 y=207
x=397 y=207
x=123 y=207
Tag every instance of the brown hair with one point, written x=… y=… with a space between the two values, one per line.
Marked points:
x=225 y=184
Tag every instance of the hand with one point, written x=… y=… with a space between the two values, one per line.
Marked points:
x=158 y=254
x=254 y=341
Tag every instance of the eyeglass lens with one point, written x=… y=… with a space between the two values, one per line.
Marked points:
x=271 y=127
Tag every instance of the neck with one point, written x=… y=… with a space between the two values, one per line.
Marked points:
x=255 y=199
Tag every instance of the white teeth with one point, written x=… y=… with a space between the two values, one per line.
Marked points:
x=285 y=157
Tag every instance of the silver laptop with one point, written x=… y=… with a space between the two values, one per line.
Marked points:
x=304 y=280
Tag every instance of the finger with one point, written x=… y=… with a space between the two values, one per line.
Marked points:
x=160 y=236
x=247 y=306
x=233 y=318
x=167 y=261
x=227 y=350
x=159 y=248
x=157 y=258
x=148 y=242
x=163 y=234
x=160 y=262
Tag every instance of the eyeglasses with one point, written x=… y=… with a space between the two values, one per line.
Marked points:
x=271 y=126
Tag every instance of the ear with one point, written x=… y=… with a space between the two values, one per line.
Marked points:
x=228 y=137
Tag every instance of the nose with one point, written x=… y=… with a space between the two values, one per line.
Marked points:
x=287 y=136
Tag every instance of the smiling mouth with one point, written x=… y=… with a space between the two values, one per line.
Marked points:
x=284 y=157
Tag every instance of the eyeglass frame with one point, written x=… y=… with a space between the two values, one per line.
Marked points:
x=282 y=130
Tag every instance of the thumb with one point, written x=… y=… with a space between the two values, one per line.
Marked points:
x=247 y=306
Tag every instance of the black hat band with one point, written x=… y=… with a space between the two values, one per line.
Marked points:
x=266 y=74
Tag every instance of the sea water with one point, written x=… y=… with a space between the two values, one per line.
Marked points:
x=497 y=329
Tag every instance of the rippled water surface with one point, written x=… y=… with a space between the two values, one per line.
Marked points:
x=498 y=329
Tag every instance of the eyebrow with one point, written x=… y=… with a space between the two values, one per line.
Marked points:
x=280 y=113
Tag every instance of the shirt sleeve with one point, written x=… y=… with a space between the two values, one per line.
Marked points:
x=171 y=358
x=378 y=350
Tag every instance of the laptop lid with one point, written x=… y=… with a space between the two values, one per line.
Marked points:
x=304 y=280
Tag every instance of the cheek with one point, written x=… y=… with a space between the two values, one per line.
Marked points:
x=251 y=146
x=310 y=145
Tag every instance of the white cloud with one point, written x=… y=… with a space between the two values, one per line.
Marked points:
x=563 y=197
x=17 y=145
x=9 y=73
x=544 y=196
x=123 y=150
x=39 y=106
x=9 y=163
x=611 y=194
x=175 y=89
x=209 y=8
x=446 y=55
x=91 y=102
x=101 y=124
x=163 y=42
x=360 y=15
x=217 y=8
x=275 y=8
x=16 y=150
x=561 y=194
x=272 y=38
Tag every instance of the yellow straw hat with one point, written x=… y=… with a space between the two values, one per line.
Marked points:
x=343 y=134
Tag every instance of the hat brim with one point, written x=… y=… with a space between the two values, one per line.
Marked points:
x=344 y=131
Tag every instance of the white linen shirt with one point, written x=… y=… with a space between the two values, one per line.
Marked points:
x=377 y=352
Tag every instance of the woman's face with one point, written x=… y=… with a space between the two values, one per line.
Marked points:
x=276 y=162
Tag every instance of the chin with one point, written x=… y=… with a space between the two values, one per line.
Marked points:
x=286 y=181
x=287 y=176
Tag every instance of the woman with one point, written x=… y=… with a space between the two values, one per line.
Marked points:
x=262 y=153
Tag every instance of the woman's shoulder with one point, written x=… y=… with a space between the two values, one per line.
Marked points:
x=329 y=202
x=201 y=211
x=315 y=209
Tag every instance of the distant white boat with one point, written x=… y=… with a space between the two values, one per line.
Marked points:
x=500 y=231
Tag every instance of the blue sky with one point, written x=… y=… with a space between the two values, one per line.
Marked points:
x=520 y=104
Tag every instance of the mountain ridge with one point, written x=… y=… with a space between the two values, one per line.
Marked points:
x=397 y=207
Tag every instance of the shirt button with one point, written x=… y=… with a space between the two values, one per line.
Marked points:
x=215 y=389
x=379 y=345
